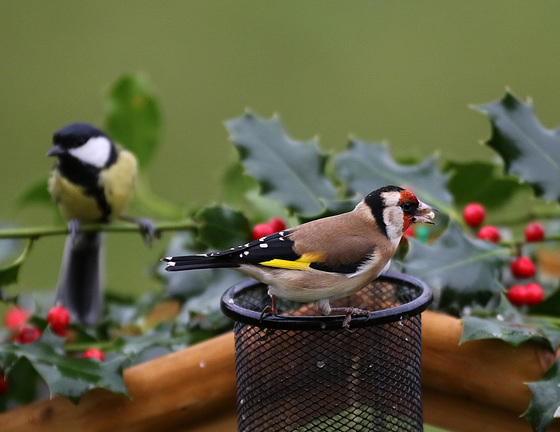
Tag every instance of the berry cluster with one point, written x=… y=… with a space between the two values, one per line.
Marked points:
x=263 y=229
x=16 y=321
x=522 y=267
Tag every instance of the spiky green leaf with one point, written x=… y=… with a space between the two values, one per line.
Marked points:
x=222 y=227
x=133 y=116
x=36 y=193
x=513 y=332
x=65 y=376
x=289 y=171
x=480 y=182
x=545 y=399
x=364 y=167
x=459 y=269
x=9 y=272
x=528 y=149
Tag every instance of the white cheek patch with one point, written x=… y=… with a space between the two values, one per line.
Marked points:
x=96 y=151
x=393 y=217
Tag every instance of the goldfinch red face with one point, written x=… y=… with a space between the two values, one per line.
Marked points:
x=401 y=209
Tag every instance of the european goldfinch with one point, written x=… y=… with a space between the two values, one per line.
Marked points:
x=92 y=181
x=325 y=259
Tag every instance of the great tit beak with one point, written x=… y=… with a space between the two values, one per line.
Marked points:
x=425 y=214
x=56 y=150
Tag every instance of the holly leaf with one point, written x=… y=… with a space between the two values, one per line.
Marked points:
x=545 y=399
x=221 y=227
x=201 y=289
x=36 y=193
x=513 y=332
x=460 y=270
x=65 y=376
x=241 y=191
x=479 y=182
x=549 y=306
x=288 y=171
x=9 y=273
x=365 y=167
x=528 y=149
x=133 y=117
x=22 y=388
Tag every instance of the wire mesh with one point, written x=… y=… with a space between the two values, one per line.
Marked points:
x=302 y=372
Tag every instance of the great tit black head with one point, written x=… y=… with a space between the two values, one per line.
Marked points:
x=84 y=143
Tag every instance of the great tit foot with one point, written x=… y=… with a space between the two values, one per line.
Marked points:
x=348 y=312
x=147 y=228
x=73 y=227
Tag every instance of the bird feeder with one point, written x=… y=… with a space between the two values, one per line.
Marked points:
x=300 y=371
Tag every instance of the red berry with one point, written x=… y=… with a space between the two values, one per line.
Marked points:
x=489 y=232
x=15 y=317
x=277 y=224
x=58 y=318
x=522 y=268
x=534 y=232
x=261 y=230
x=28 y=334
x=473 y=214
x=534 y=294
x=93 y=353
x=3 y=383
x=517 y=295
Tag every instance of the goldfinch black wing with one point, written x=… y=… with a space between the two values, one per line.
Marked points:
x=275 y=250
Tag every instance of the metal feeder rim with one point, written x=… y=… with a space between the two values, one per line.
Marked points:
x=321 y=322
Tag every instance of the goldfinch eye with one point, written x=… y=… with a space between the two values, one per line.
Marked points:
x=408 y=207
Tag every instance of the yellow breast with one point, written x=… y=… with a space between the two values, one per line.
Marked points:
x=118 y=185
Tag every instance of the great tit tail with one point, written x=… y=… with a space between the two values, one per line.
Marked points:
x=80 y=280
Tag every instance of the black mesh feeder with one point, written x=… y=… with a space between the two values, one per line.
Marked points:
x=300 y=371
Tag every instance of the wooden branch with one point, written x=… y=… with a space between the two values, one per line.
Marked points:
x=170 y=391
x=474 y=386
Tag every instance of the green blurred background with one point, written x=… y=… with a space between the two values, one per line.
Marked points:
x=404 y=72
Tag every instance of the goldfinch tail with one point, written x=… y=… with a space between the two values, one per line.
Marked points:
x=192 y=262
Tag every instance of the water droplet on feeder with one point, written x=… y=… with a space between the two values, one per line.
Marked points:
x=202 y=364
x=320 y=364
x=323 y=326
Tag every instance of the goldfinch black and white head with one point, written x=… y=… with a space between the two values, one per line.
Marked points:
x=325 y=259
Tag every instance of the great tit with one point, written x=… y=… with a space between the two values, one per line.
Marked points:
x=92 y=181
x=325 y=259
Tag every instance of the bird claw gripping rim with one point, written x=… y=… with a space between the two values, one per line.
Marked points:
x=300 y=371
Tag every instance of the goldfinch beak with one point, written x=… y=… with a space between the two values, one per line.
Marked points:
x=425 y=214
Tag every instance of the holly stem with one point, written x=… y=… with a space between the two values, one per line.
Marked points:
x=36 y=232
x=517 y=246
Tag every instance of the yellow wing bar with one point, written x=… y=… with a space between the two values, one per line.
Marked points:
x=302 y=263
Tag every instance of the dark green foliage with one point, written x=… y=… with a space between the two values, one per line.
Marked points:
x=279 y=176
